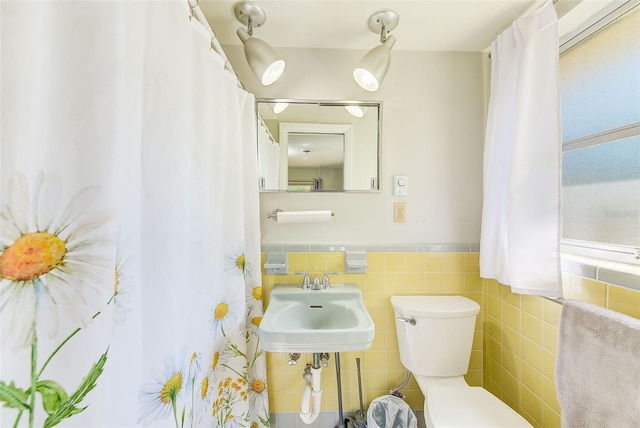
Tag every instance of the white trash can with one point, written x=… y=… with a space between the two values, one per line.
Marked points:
x=389 y=411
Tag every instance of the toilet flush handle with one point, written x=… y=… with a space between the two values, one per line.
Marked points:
x=408 y=320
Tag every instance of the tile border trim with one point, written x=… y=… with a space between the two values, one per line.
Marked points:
x=294 y=247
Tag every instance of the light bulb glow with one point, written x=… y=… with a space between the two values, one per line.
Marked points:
x=365 y=79
x=280 y=107
x=273 y=72
x=355 y=111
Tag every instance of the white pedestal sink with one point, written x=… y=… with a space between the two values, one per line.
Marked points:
x=330 y=320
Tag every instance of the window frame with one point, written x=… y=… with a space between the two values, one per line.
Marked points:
x=595 y=250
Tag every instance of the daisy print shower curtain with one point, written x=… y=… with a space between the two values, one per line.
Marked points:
x=130 y=287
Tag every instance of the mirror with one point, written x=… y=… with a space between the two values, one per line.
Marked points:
x=318 y=146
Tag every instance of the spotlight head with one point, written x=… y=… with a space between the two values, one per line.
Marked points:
x=373 y=67
x=263 y=60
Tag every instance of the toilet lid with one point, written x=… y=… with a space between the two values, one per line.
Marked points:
x=468 y=407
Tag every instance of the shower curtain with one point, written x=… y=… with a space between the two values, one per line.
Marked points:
x=130 y=286
x=520 y=236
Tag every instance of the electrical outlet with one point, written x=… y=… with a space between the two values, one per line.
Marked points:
x=399 y=212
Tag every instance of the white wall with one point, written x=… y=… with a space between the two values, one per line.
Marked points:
x=432 y=131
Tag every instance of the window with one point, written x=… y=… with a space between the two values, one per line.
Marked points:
x=600 y=80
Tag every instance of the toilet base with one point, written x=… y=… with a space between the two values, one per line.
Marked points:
x=470 y=406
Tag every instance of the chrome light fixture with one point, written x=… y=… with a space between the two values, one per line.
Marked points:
x=374 y=65
x=264 y=61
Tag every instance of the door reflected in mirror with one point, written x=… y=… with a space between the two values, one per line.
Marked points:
x=318 y=146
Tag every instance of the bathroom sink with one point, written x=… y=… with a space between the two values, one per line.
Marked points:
x=330 y=320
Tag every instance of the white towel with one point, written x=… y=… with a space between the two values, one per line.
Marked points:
x=598 y=367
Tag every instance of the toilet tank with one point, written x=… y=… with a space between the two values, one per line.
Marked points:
x=439 y=344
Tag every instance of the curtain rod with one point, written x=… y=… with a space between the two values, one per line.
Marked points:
x=528 y=10
x=215 y=44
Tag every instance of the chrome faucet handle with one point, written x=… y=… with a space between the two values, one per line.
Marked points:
x=325 y=279
x=306 y=283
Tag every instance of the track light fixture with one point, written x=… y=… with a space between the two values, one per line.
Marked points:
x=264 y=61
x=374 y=65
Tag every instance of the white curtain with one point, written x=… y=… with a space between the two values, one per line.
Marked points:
x=129 y=245
x=521 y=210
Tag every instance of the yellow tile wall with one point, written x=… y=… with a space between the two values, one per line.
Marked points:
x=520 y=342
x=514 y=347
x=388 y=274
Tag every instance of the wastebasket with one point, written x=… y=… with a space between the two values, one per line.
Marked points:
x=389 y=411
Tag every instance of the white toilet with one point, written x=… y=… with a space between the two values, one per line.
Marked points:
x=435 y=334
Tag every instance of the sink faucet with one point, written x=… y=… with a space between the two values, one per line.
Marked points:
x=325 y=280
x=317 y=284
x=306 y=283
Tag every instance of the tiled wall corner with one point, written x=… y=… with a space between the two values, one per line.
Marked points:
x=521 y=342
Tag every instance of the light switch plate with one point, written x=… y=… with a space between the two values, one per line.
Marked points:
x=400 y=185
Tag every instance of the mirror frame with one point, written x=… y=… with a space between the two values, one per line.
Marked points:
x=375 y=188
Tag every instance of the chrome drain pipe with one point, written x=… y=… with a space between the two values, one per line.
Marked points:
x=340 y=411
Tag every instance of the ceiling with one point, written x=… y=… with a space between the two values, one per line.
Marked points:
x=424 y=25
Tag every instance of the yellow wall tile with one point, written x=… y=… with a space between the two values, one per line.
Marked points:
x=393 y=361
x=471 y=262
x=552 y=312
x=494 y=307
x=377 y=262
x=493 y=329
x=297 y=262
x=434 y=262
x=374 y=360
x=511 y=339
x=415 y=262
x=395 y=262
x=532 y=379
x=589 y=290
x=549 y=364
x=511 y=362
x=375 y=282
x=433 y=282
x=550 y=417
x=317 y=262
x=531 y=327
x=375 y=301
x=335 y=262
x=396 y=282
x=531 y=353
x=511 y=298
x=493 y=288
x=474 y=378
x=473 y=282
x=454 y=282
x=532 y=404
x=549 y=394
x=511 y=316
x=454 y=262
x=550 y=338
x=391 y=340
x=510 y=386
x=533 y=305
x=624 y=300
x=476 y=361
x=415 y=283
x=277 y=400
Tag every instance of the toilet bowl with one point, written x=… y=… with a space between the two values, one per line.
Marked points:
x=435 y=335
